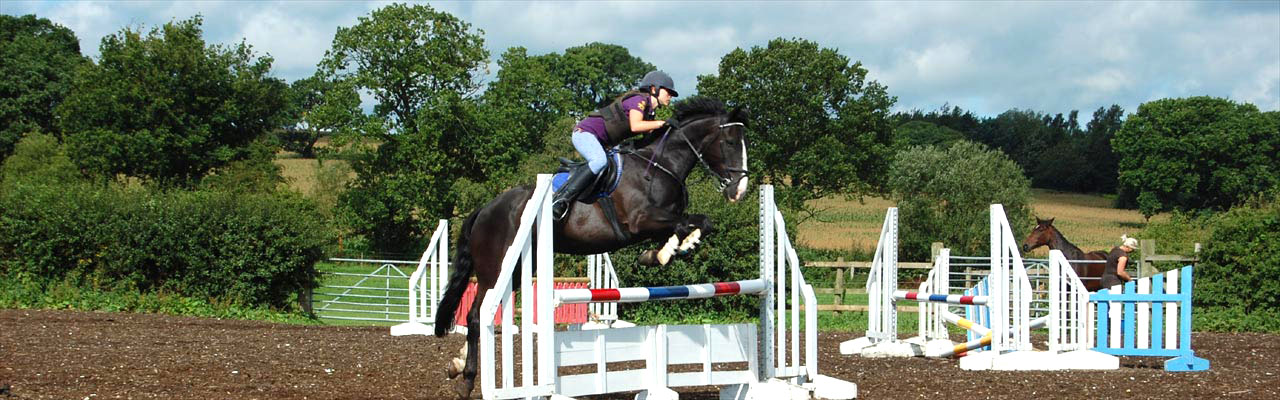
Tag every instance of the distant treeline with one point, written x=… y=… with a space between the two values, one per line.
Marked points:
x=1053 y=150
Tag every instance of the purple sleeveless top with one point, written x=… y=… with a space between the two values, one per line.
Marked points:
x=595 y=125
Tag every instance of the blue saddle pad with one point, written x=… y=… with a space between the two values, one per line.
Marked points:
x=558 y=180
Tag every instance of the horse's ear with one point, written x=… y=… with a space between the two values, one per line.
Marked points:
x=1049 y=221
x=739 y=114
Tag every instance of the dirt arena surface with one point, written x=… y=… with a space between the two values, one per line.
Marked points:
x=87 y=355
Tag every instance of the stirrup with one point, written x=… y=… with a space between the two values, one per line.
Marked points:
x=563 y=212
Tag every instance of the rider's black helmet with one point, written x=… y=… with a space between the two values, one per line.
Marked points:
x=661 y=80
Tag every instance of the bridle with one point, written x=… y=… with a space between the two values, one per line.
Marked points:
x=722 y=180
x=651 y=161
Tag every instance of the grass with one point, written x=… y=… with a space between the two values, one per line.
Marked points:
x=303 y=173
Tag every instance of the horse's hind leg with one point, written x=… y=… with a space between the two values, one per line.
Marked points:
x=468 y=382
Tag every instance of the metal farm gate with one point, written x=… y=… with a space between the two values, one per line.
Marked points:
x=364 y=290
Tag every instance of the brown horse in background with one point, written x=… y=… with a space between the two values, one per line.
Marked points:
x=1047 y=235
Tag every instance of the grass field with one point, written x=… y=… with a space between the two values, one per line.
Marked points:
x=1086 y=220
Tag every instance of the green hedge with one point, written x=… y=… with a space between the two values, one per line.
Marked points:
x=1238 y=277
x=241 y=248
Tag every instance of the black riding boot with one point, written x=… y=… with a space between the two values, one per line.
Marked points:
x=569 y=192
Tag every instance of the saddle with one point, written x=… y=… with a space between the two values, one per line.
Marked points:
x=606 y=182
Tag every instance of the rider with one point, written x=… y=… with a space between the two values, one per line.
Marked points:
x=631 y=114
x=1114 y=273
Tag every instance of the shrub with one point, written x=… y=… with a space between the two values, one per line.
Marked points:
x=1241 y=262
x=251 y=249
x=943 y=195
x=1177 y=235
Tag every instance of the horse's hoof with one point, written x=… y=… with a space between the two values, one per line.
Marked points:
x=455 y=368
x=648 y=258
x=463 y=390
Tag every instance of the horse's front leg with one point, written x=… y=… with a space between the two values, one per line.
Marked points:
x=691 y=232
x=686 y=232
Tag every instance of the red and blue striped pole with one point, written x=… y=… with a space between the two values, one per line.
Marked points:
x=639 y=294
x=940 y=298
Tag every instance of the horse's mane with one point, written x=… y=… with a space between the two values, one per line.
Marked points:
x=698 y=106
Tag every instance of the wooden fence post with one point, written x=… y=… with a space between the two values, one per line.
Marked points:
x=1147 y=268
x=839 y=295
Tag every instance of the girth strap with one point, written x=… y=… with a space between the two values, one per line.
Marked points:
x=611 y=214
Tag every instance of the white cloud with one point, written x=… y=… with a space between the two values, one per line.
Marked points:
x=1106 y=81
x=296 y=44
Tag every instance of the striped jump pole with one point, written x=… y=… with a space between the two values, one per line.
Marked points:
x=964 y=323
x=961 y=349
x=641 y=294
x=940 y=298
x=984 y=333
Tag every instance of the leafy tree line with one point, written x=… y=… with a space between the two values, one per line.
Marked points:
x=1189 y=154
x=1053 y=150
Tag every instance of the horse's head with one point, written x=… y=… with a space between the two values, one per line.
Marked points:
x=717 y=139
x=725 y=142
x=1041 y=235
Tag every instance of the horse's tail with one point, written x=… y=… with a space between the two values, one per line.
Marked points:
x=462 y=267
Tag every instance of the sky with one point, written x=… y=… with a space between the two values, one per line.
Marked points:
x=985 y=56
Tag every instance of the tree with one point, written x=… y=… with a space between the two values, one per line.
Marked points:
x=1024 y=135
x=432 y=132
x=166 y=107
x=40 y=58
x=944 y=195
x=921 y=133
x=537 y=91
x=318 y=107
x=948 y=116
x=38 y=158
x=1103 y=162
x=403 y=55
x=816 y=121
x=597 y=72
x=528 y=90
x=1197 y=153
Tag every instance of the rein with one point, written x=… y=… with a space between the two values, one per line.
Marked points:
x=722 y=181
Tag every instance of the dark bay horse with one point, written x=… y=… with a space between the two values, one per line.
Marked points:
x=1046 y=234
x=650 y=202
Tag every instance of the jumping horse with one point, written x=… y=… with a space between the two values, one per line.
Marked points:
x=649 y=204
x=1045 y=234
